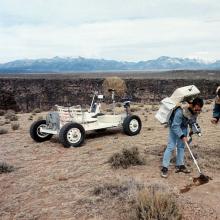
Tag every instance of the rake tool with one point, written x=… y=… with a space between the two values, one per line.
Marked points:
x=202 y=178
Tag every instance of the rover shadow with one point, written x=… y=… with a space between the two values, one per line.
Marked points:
x=101 y=134
x=94 y=134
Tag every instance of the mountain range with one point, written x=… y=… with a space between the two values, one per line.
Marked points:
x=69 y=64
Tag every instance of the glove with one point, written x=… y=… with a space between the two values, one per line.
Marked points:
x=190 y=133
x=214 y=120
x=184 y=139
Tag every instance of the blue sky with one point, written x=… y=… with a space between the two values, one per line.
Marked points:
x=129 y=30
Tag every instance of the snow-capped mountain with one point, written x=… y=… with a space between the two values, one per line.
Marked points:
x=69 y=64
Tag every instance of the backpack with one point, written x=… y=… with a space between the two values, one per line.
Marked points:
x=169 y=104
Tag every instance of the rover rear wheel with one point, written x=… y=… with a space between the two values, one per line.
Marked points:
x=132 y=125
x=35 y=132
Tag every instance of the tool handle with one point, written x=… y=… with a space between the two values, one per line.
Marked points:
x=187 y=145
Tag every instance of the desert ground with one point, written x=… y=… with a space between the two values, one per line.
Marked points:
x=53 y=182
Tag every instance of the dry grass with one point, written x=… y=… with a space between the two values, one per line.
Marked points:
x=10 y=115
x=138 y=201
x=208 y=102
x=10 y=111
x=15 y=126
x=36 y=110
x=2 y=123
x=150 y=129
x=118 y=104
x=86 y=184
x=118 y=188
x=147 y=109
x=110 y=189
x=135 y=109
x=118 y=195
x=40 y=118
x=7 y=121
x=155 y=203
x=5 y=168
x=128 y=157
x=108 y=110
x=3 y=130
x=156 y=150
x=145 y=117
x=154 y=107
x=30 y=118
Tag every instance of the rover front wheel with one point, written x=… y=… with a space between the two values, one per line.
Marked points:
x=132 y=125
x=72 y=134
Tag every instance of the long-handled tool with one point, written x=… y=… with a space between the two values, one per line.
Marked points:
x=202 y=178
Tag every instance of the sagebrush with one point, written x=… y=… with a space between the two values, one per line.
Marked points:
x=15 y=126
x=156 y=204
x=10 y=115
x=6 y=168
x=3 y=130
x=126 y=158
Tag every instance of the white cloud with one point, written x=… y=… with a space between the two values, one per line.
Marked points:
x=74 y=11
x=139 y=30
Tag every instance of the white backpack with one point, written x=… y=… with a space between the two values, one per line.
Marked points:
x=169 y=104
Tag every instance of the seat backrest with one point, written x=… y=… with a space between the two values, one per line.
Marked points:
x=69 y=114
x=75 y=110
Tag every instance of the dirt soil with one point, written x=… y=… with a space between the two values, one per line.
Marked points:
x=53 y=182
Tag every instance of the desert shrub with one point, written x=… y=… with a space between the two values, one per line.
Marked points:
x=40 y=118
x=118 y=104
x=156 y=203
x=135 y=109
x=128 y=157
x=36 y=110
x=145 y=117
x=2 y=112
x=204 y=110
x=154 y=108
x=118 y=188
x=7 y=121
x=147 y=109
x=208 y=102
x=139 y=201
x=15 y=126
x=108 y=110
x=110 y=189
x=2 y=123
x=11 y=116
x=150 y=129
x=30 y=117
x=10 y=111
x=6 y=168
x=14 y=118
x=3 y=130
x=8 y=115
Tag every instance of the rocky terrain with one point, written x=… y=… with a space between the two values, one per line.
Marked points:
x=53 y=182
x=26 y=92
